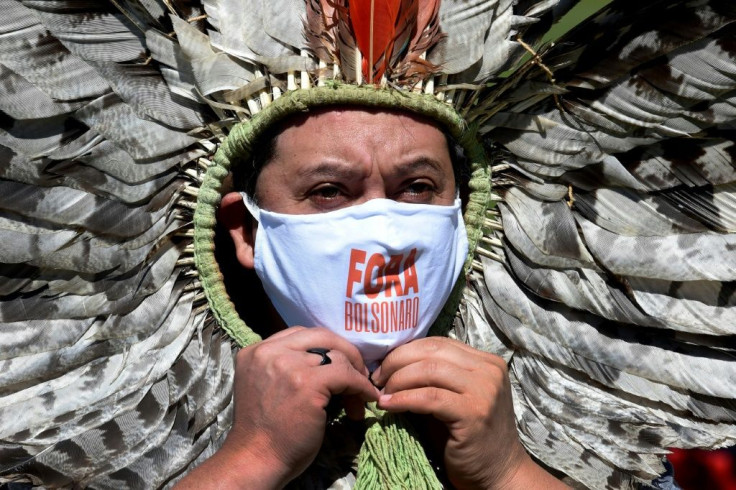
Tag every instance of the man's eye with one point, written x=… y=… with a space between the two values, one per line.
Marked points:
x=326 y=191
x=326 y=197
x=419 y=191
x=419 y=188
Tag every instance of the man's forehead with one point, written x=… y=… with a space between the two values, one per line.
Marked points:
x=350 y=116
x=350 y=133
x=341 y=130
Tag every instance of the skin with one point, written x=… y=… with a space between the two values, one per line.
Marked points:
x=322 y=162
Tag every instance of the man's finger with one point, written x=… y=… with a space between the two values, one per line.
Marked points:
x=431 y=372
x=341 y=378
x=309 y=338
x=438 y=348
x=284 y=333
x=446 y=406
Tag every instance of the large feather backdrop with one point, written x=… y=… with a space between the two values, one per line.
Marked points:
x=607 y=277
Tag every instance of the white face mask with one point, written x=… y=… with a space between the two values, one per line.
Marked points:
x=377 y=273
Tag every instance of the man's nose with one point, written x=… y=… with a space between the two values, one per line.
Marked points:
x=374 y=187
x=368 y=196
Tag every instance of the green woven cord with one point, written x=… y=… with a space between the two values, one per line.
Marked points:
x=390 y=458
x=474 y=216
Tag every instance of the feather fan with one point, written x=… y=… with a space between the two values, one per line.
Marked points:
x=605 y=278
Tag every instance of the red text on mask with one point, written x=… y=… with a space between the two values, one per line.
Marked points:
x=395 y=276
x=395 y=279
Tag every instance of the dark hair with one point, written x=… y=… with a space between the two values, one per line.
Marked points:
x=460 y=163
x=245 y=174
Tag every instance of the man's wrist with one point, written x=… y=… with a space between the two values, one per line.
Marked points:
x=248 y=467
x=529 y=475
x=236 y=467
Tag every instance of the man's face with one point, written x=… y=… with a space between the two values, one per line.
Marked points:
x=338 y=158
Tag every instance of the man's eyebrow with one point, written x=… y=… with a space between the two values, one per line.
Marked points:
x=330 y=169
x=346 y=171
x=420 y=164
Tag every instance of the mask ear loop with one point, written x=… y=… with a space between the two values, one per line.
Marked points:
x=251 y=206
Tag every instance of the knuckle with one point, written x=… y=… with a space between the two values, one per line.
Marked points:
x=320 y=332
x=278 y=363
x=346 y=369
x=496 y=367
x=433 y=344
x=430 y=368
x=245 y=353
x=484 y=410
x=259 y=354
x=338 y=357
x=434 y=395
x=297 y=378
x=389 y=359
x=264 y=352
x=339 y=361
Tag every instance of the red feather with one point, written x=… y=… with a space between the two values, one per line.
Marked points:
x=375 y=25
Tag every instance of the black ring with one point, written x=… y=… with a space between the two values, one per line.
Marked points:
x=322 y=352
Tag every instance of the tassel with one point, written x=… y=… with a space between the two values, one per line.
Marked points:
x=391 y=457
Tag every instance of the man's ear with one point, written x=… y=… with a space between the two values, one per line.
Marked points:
x=241 y=226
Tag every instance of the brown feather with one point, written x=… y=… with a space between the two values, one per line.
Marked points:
x=320 y=30
x=427 y=34
x=346 y=45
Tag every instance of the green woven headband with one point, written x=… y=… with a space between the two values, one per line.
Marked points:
x=238 y=147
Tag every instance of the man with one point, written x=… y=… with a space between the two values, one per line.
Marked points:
x=329 y=160
x=608 y=313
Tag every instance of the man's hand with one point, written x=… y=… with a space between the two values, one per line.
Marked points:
x=469 y=391
x=281 y=392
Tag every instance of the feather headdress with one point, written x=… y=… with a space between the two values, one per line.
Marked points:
x=604 y=272
x=386 y=38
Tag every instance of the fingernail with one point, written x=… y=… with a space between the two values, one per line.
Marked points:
x=374 y=376
x=384 y=399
